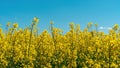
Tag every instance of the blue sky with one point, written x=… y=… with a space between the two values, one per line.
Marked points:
x=104 y=12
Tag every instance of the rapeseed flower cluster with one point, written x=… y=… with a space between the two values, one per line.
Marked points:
x=26 y=48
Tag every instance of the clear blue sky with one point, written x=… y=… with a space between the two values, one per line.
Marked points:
x=104 y=12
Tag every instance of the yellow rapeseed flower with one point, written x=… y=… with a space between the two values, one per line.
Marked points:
x=15 y=25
